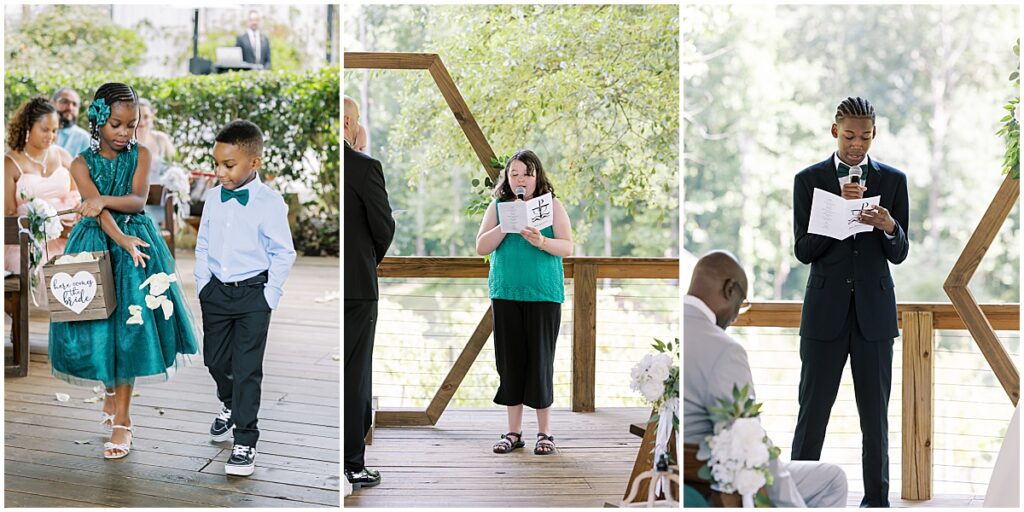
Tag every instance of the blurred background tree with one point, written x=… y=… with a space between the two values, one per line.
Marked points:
x=594 y=90
x=71 y=39
x=760 y=90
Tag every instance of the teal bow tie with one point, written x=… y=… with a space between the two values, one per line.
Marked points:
x=843 y=171
x=242 y=196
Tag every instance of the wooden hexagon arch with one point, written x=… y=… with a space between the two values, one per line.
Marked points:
x=432 y=63
x=963 y=301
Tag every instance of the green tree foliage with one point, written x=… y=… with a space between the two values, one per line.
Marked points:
x=592 y=89
x=760 y=90
x=298 y=113
x=71 y=39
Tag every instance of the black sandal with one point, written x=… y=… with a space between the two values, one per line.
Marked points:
x=545 y=445
x=506 y=445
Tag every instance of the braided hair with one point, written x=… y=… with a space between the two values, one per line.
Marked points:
x=24 y=119
x=111 y=92
x=855 y=107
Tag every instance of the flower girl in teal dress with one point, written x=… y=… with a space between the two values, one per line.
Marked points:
x=151 y=327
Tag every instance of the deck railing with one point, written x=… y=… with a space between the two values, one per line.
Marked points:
x=584 y=273
x=918 y=323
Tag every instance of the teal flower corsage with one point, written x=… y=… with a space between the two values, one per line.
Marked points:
x=99 y=111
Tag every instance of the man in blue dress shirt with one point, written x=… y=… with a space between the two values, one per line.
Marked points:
x=243 y=255
x=70 y=136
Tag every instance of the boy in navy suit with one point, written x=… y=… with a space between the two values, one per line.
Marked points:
x=243 y=255
x=850 y=304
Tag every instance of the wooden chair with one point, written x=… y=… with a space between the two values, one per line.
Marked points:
x=645 y=460
x=158 y=196
x=691 y=465
x=16 y=292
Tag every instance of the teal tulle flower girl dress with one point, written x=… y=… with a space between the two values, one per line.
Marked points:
x=116 y=351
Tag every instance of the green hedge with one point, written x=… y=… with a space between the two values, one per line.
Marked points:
x=298 y=113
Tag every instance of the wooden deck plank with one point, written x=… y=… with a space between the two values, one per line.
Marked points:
x=451 y=464
x=173 y=462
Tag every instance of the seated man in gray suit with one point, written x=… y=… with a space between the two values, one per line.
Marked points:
x=713 y=362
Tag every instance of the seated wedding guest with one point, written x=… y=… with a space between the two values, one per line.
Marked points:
x=160 y=148
x=158 y=142
x=34 y=167
x=714 y=362
x=70 y=136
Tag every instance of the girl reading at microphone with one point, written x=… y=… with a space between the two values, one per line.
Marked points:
x=526 y=286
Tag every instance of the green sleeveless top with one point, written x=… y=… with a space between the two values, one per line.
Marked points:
x=520 y=271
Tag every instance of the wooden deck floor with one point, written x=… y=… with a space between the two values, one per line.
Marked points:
x=451 y=464
x=173 y=463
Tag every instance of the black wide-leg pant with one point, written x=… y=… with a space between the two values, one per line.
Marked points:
x=524 y=349
x=360 y=329
x=820 y=374
x=235 y=324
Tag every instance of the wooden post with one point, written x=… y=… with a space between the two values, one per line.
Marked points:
x=918 y=398
x=584 y=337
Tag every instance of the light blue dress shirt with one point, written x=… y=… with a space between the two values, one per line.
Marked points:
x=238 y=242
x=74 y=139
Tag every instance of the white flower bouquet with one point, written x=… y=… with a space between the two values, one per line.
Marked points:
x=656 y=377
x=176 y=181
x=43 y=225
x=740 y=452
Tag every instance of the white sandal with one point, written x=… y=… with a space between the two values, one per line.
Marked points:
x=107 y=420
x=123 y=447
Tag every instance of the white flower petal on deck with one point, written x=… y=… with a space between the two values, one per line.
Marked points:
x=62 y=397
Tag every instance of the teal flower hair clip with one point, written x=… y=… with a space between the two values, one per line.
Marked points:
x=99 y=111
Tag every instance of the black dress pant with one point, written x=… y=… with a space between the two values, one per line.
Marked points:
x=524 y=351
x=235 y=324
x=822 y=369
x=360 y=328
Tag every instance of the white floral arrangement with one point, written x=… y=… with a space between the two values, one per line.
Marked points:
x=176 y=181
x=43 y=225
x=656 y=377
x=739 y=453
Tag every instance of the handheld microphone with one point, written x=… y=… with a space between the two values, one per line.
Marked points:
x=521 y=193
x=855 y=174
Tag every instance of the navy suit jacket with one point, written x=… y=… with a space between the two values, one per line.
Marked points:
x=859 y=263
x=369 y=225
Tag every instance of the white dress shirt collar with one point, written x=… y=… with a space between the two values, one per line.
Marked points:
x=699 y=304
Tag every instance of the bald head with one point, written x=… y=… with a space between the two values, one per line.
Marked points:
x=351 y=120
x=720 y=282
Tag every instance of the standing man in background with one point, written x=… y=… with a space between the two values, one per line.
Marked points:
x=254 y=44
x=850 y=304
x=369 y=229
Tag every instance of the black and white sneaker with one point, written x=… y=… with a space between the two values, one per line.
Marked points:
x=222 y=426
x=242 y=461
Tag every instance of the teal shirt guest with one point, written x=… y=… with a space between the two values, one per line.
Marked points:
x=526 y=287
x=74 y=139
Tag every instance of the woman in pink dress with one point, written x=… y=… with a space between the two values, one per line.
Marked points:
x=34 y=167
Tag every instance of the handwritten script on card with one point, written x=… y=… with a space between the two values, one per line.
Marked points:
x=537 y=212
x=75 y=293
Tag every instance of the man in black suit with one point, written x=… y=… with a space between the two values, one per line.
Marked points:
x=254 y=44
x=369 y=229
x=850 y=306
